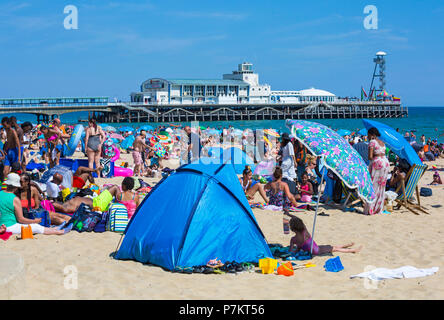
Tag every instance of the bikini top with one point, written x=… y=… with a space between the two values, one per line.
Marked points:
x=247 y=186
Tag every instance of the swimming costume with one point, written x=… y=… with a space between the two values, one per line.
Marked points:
x=94 y=142
x=137 y=157
x=278 y=199
x=103 y=200
x=130 y=205
x=77 y=182
x=305 y=197
x=25 y=203
x=52 y=138
x=11 y=156
x=306 y=246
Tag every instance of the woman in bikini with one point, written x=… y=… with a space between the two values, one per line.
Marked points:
x=278 y=192
x=28 y=194
x=249 y=188
x=128 y=197
x=93 y=141
x=51 y=138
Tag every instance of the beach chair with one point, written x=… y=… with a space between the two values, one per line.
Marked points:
x=405 y=198
x=351 y=197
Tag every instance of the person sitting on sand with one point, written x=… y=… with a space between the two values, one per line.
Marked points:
x=128 y=197
x=84 y=174
x=302 y=240
x=249 y=188
x=305 y=188
x=28 y=193
x=278 y=192
x=436 y=179
x=99 y=203
x=11 y=217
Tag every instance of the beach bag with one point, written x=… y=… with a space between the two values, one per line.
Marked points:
x=118 y=218
x=425 y=192
x=47 y=205
x=84 y=219
x=101 y=225
x=39 y=213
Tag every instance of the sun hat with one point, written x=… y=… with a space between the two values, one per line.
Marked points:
x=13 y=179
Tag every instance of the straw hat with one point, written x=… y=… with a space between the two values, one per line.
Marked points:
x=13 y=179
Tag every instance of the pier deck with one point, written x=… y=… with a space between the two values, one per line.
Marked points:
x=133 y=112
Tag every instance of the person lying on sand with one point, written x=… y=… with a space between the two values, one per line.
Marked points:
x=99 y=203
x=302 y=240
x=84 y=174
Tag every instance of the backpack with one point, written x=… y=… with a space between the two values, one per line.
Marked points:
x=117 y=218
x=84 y=219
x=425 y=192
x=101 y=225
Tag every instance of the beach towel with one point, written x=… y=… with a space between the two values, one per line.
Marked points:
x=399 y=273
x=5 y=236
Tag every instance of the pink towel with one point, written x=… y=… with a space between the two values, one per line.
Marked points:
x=5 y=236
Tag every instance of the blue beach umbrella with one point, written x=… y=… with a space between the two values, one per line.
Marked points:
x=126 y=129
x=343 y=132
x=109 y=129
x=146 y=127
x=394 y=141
x=362 y=132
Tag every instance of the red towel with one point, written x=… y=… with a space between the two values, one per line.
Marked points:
x=5 y=236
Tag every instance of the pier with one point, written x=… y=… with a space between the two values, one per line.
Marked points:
x=115 y=112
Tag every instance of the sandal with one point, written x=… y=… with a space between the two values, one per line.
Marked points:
x=214 y=263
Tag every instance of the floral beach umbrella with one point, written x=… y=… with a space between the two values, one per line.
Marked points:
x=338 y=155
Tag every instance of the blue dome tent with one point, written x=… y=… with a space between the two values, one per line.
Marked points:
x=235 y=156
x=209 y=218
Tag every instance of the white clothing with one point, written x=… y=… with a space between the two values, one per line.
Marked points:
x=17 y=228
x=403 y=272
x=288 y=168
x=52 y=190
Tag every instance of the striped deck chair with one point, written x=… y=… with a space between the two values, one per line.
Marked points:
x=405 y=198
x=351 y=197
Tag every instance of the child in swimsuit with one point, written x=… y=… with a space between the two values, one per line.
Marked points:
x=302 y=240
x=306 y=188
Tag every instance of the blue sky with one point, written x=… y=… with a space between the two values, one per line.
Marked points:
x=292 y=44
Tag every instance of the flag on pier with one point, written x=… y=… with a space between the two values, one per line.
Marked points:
x=363 y=93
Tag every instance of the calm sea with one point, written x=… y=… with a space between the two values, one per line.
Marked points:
x=425 y=120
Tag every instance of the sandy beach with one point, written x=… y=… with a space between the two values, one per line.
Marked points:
x=389 y=241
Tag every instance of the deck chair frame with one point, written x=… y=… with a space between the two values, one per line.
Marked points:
x=404 y=200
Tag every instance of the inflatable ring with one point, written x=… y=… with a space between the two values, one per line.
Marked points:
x=271 y=133
x=75 y=139
x=270 y=145
x=123 y=172
x=162 y=137
x=117 y=155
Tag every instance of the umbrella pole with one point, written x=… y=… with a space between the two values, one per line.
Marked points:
x=316 y=212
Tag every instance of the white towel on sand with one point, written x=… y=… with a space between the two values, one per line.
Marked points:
x=403 y=272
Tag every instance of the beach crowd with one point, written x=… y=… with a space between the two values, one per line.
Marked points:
x=30 y=152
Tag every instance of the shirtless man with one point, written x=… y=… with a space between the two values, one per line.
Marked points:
x=12 y=146
x=139 y=146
